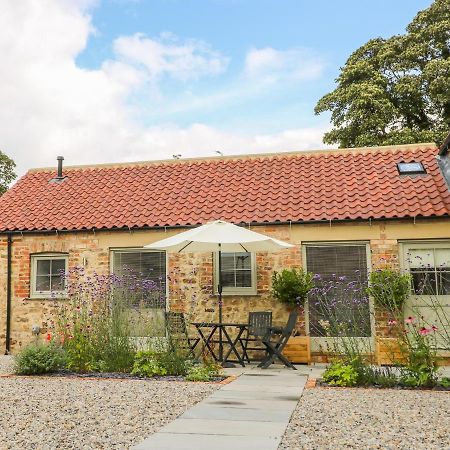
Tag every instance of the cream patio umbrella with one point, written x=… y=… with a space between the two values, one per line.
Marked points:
x=219 y=236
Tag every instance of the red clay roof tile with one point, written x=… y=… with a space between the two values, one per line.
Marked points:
x=306 y=187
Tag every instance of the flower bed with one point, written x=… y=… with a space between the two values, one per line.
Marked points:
x=113 y=325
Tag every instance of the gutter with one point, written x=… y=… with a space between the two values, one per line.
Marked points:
x=8 y=294
x=250 y=224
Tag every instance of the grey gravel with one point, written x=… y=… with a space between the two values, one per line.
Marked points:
x=6 y=364
x=369 y=419
x=60 y=413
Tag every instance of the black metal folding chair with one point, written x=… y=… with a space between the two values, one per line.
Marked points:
x=178 y=333
x=276 y=339
x=258 y=324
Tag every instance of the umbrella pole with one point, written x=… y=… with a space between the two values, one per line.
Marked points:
x=219 y=290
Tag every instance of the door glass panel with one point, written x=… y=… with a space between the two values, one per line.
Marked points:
x=429 y=301
x=424 y=282
x=338 y=306
x=146 y=274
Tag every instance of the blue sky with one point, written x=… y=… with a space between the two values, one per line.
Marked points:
x=100 y=81
x=323 y=29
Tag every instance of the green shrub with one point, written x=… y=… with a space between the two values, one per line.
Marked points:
x=198 y=373
x=203 y=372
x=419 y=375
x=174 y=362
x=291 y=286
x=103 y=318
x=445 y=382
x=147 y=365
x=39 y=358
x=341 y=374
x=389 y=288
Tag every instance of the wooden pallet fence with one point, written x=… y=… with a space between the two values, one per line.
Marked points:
x=388 y=352
x=298 y=350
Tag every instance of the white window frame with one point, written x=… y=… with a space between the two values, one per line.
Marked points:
x=406 y=246
x=34 y=293
x=227 y=290
x=113 y=250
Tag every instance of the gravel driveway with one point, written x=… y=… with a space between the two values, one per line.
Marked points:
x=62 y=413
x=369 y=419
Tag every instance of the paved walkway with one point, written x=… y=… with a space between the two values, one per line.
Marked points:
x=249 y=413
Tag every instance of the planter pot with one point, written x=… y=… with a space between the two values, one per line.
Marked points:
x=298 y=350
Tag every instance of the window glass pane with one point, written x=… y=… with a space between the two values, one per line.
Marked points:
x=43 y=283
x=58 y=266
x=424 y=282
x=43 y=267
x=243 y=261
x=244 y=278
x=227 y=262
x=228 y=279
x=444 y=282
x=57 y=283
x=338 y=306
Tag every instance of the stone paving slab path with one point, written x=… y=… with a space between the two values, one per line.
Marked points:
x=249 y=413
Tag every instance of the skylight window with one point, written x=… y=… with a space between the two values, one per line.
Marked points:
x=410 y=168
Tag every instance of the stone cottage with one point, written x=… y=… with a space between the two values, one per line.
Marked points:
x=345 y=210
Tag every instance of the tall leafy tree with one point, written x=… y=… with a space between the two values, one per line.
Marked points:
x=7 y=173
x=396 y=90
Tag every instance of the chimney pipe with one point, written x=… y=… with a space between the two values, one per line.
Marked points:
x=60 y=160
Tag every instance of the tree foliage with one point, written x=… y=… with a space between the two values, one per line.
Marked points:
x=396 y=90
x=7 y=173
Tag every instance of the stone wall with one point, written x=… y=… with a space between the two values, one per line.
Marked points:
x=190 y=275
x=82 y=250
x=190 y=281
x=384 y=255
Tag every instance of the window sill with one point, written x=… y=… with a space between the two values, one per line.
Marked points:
x=237 y=294
x=47 y=297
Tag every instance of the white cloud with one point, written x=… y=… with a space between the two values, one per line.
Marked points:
x=51 y=106
x=294 y=64
x=169 y=56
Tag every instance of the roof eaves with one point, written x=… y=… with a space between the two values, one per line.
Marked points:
x=254 y=223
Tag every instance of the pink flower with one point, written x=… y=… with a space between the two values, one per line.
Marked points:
x=424 y=331
x=434 y=328
x=409 y=320
x=392 y=322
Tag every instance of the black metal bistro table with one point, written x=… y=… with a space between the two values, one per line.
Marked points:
x=207 y=330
